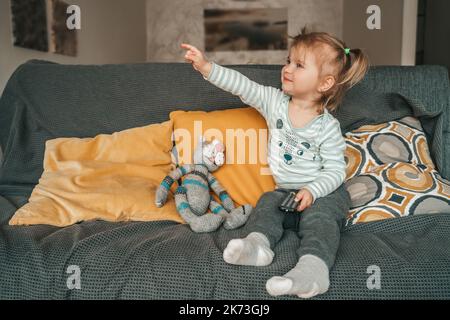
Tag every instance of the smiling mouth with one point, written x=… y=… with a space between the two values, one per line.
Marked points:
x=286 y=79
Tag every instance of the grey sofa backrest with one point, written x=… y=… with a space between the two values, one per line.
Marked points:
x=44 y=100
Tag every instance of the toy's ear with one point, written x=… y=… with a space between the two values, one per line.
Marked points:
x=218 y=145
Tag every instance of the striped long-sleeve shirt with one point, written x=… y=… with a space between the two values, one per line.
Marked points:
x=310 y=157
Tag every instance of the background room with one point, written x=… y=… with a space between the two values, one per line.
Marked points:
x=120 y=31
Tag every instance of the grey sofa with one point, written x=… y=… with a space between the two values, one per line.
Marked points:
x=165 y=260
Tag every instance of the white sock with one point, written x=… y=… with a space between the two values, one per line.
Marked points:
x=254 y=250
x=308 y=278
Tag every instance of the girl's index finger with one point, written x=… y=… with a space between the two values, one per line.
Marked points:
x=188 y=46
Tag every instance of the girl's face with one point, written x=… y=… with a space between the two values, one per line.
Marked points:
x=300 y=75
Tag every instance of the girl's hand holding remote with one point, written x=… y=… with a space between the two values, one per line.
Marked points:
x=306 y=199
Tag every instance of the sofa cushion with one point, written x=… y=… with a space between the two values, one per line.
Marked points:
x=390 y=172
x=110 y=177
x=368 y=107
x=245 y=174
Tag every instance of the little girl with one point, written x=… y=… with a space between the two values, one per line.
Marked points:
x=305 y=155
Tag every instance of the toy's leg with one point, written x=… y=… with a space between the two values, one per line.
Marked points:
x=238 y=217
x=205 y=223
x=234 y=219
x=217 y=208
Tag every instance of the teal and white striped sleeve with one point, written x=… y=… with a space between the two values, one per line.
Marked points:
x=251 y=93
x=332 y=151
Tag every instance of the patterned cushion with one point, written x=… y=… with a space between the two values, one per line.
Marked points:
x=390 y=172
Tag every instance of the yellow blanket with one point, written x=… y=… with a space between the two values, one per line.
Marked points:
x=109 y=177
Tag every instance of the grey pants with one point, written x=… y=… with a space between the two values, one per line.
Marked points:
x=318 y=226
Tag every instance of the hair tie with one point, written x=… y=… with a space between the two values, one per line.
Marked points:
x=347 y=51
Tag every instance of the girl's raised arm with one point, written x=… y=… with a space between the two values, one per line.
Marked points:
x=256 y=95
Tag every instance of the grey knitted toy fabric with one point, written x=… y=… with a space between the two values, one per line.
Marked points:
x=193 y=198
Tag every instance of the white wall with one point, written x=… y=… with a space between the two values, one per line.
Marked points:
x=112 y=31
x=383 y=46
x=171 y=22
x=395 y=43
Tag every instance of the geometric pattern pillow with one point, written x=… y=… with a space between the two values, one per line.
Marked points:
x=390 y=173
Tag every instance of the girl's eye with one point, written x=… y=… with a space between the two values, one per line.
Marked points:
x=298 y=65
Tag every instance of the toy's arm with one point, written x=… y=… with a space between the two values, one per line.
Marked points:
x=164 y=187
x=223 y=195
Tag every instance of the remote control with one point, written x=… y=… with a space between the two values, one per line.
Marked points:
x=289 y=205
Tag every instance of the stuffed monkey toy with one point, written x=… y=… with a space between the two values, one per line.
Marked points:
x=193 y=197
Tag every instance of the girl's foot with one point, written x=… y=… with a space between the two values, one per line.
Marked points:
x=310 y=277
x=254 y=250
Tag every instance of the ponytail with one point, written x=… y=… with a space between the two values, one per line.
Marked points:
x=353 y=70
x=358 y=67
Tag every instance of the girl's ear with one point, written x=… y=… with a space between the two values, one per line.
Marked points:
x=326 y=84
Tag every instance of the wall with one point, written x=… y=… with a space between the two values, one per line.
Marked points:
x=384 y=46
x=112 y=31
x=165 y=33
x=437 y=33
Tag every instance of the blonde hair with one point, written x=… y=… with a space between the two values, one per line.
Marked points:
x=347 y=70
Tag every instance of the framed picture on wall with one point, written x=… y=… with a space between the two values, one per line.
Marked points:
x=245 y=29
x=29 y=24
